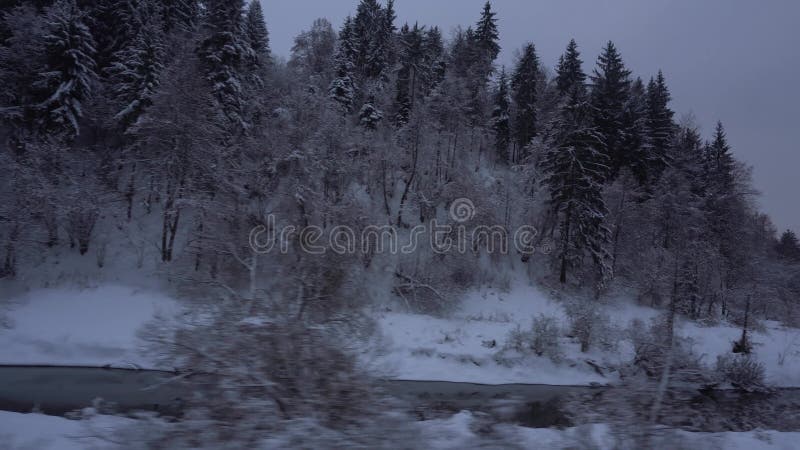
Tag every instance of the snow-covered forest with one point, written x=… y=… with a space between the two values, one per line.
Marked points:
x=388 y=203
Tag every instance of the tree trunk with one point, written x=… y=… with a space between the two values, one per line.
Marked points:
x=565 y=245
x=415 y=153
x=169 y=226
x=129 y=194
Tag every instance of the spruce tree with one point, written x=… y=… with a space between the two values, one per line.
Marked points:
x=434 y=56
x=633 y=148
x=723 y=204
x=134 y=74
x=388 y=33
x=114 y=24
x=610 y=89
x=788 y=246
x=462 y=53
x=660 y=127
x=524 y=84
x=179 y=15
x=688 y=157
x=371 y=35
x=257 y=34
x=369 y=117
x=721 y=161
x=412 y=60
x=66 y=81
x=342 y=88
x=486 y=36
x=224 y=53
x=569 y=73
x=501 y=119
x=574 y=170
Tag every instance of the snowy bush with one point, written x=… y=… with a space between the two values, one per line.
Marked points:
x=81 y=220
x=540 y=340
x=651 y=346
x=434 y=286
x=267 y=375
x=741 y=370
x=544 y=337
x=790 y=346
x=517 y=340
x=591 y=327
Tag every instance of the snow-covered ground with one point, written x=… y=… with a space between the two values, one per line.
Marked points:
x=777 y=348
x=463 y=347
x=94 y=326
x=40 y=432
x=461 y=431
x=99 y=325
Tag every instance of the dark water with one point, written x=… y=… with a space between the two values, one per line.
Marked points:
x=58 y=389
x=533 y=405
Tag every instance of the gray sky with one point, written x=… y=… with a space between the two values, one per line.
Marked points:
x=732 y=60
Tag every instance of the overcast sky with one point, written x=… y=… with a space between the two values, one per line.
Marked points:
x=730 y=60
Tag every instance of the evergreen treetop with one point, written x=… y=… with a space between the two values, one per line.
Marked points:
x=256 y=29
x=524 y=84
x=660 y=126
x=610 y=90
x=487 y=35
x=569 y=73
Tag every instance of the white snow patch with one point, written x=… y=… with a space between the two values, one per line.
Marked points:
x=88 y=327
x=451 y=433
x=458 y=432
x=777 y=348
x=462 y=348
x=40 y=432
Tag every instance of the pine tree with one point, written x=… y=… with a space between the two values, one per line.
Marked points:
x=610 y=89
x=574 y=170
x=134 y=74
x=688 y=157
x=114 y=25
x=788 y=246
x=633 y=148
x=487 y=36
x=721 y=161
x=257 y=34
x=342 y=88
x=412 y=67
x=569 y=73
x=524 y=84
x=501 y=118
x=371 y=35
x=21 y=60
x=724 y=206
x=473 y=54
x=68 y=76
x=370 y=116
x=462 y=53
x=389 y=32
x=225 y=52
x=660 y=127
x=434 y=57
x=179 y=15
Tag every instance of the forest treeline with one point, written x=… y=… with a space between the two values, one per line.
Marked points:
x=174 y=119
